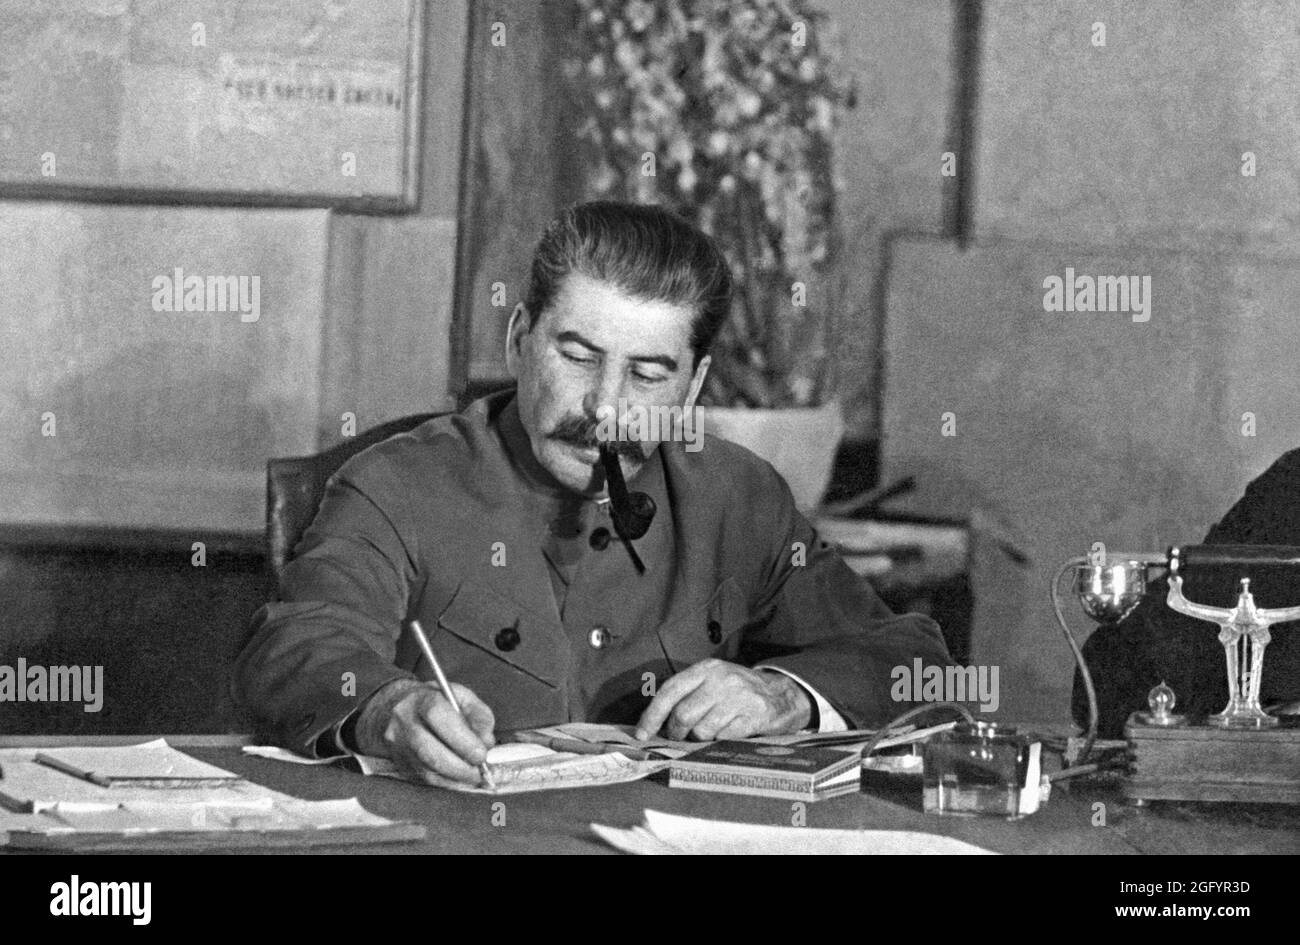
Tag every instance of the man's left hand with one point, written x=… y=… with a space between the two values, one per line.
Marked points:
x=715 y=699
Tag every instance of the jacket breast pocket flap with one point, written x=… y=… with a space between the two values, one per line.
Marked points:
x=505 y=630
x=708 y=630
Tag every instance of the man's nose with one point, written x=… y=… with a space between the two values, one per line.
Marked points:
x=605 y=391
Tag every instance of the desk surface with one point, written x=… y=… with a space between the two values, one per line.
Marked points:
x=558 y=821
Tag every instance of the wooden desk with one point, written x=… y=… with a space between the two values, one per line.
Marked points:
x=557 y=821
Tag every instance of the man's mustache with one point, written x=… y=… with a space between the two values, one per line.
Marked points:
x=581 y=432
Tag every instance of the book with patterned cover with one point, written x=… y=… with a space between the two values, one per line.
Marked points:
x=786 y=771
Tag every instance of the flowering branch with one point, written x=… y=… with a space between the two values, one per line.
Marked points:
x=725 y=110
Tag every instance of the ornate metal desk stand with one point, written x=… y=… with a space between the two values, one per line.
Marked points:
x=1243 y=631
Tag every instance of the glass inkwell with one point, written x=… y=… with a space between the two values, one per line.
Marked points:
x=981 y=769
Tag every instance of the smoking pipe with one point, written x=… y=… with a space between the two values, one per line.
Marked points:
x=632 y=511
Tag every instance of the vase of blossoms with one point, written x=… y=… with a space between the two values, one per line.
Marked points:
x=725 y=111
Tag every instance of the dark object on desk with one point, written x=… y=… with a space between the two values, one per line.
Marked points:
x=295 y=486
x=1154 y=644
x=856 y=469
x=905 y=789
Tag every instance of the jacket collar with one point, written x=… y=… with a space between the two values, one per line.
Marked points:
x=560 y=509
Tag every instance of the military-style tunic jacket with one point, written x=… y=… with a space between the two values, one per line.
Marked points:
x=532 y=602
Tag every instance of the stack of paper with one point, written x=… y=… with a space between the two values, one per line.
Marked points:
x=153 y=795
x=667 y=833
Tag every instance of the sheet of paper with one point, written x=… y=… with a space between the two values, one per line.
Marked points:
x=10 y=821
x=602 y=734
x=160 y=817
x=670 y=833
x=498 y=754
x=637 y=840
x=154 y=761
x=851 y=737
x=622 y=735
x=516 y=768
x=918 y=735
x=30 y=787
x=150 y=819
x=895 y=764
x=515 y=753
x=276 y=753
x=904 y=735
x=536 y=769
x=39 y=800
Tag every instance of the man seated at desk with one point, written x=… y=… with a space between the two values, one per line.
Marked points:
x=491 y=527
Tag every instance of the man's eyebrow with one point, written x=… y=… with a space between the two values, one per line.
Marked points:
x=577 y=337
x=662 y=360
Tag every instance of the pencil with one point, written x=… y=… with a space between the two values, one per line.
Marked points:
x=423 y=641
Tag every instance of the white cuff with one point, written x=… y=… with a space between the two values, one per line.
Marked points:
x=828 y=719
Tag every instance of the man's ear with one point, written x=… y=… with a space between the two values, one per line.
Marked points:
x=697 y=381
x=515 y=331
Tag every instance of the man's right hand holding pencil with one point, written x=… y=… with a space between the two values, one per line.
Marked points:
x=413 y=724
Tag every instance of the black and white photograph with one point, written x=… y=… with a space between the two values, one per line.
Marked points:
x=713 y=427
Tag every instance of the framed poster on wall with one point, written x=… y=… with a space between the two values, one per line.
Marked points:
x=281 y=102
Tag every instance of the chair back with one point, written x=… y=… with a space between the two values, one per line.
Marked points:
x=295 y=486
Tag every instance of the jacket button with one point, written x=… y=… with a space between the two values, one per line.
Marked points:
x=715 y=632
x=600 y=538
x=598 y=637
x=506 y=639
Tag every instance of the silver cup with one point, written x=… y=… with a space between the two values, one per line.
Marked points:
x=1108 y=592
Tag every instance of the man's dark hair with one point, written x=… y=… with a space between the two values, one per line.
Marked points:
x=647 y=252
